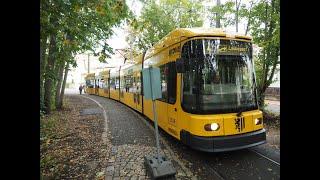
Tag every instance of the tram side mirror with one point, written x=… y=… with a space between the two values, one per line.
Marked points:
x=180 y=65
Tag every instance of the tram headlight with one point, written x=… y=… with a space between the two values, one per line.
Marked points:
x=258 y=121
x=212 y=127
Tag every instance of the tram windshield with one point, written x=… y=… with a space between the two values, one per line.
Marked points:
x=219 y=76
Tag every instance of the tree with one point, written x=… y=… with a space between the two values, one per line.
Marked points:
x=221 y=14
x=157 y=20
x=73 y=27
x=265 y=29
x=263 y=24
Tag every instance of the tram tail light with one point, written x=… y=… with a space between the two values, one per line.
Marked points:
x=212 y=127
x=258 y=121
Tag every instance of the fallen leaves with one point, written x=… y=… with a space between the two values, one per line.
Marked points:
x=68 y=141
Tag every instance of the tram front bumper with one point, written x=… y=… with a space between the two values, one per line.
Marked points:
x=225 y=143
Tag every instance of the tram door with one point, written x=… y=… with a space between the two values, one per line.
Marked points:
x=172 y=105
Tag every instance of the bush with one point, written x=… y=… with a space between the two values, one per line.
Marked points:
x=271 y=119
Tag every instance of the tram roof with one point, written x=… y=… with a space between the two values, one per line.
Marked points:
x=104 y=73
x=181 y=34
x=90 y=76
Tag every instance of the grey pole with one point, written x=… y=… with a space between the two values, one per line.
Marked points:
x=88 y=64
x=155 y=119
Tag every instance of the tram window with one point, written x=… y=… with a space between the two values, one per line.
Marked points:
x=138 y=84
x=172 y=82
x=102 y=83
x=128 y=83
x=106 y=83
x=164 y=82
x=112 y=83
x=122 y=83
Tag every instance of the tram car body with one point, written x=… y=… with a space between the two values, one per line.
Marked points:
x=90 y=83
x=209 y=99
x=103 y=83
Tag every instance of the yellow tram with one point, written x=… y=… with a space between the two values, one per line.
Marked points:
x=208 y=85
x=90 y=83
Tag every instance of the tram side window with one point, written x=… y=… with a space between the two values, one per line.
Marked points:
x=89 y=84
x=122 y=83
x=97 y=83
x=112 y=83
x=129 y=83
x=164 y=82
x=117 y=83
x=172 y=82
x=137 y=81
x=107 y=83
x=101 y=83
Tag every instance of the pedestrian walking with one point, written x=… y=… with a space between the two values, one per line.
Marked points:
x=80 y=89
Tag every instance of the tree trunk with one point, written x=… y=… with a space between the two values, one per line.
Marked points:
x=218 y=16
x=58 y=88
x=273 y=58
x=262 y=87
x=237 y=13
x=43 y=49
x=249 y=18
x=63 y=85
x=49 y=74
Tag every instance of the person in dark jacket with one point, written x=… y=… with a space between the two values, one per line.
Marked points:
x=80 y=88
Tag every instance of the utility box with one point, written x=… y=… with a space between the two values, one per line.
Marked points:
x=151 y=79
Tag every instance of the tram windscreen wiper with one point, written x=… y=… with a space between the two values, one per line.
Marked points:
x=240 y=112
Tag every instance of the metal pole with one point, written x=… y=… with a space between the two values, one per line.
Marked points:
x=88 y=64
x=155 y=118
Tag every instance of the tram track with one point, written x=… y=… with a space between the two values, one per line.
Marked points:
x=260 y=154
x=207 y=163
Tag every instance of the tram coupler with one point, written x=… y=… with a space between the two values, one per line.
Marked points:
x=159 y=167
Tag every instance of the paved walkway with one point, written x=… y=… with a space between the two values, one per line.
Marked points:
x=131 y=139
x=273 y=106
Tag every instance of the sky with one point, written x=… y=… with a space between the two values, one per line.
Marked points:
x=118 y=42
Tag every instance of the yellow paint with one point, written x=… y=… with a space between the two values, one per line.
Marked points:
x=96 y=91
x=90 y=90
x=114 y=94
x=161 y=112
x=139 y=104
x=128 y=99
x=103 y=92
